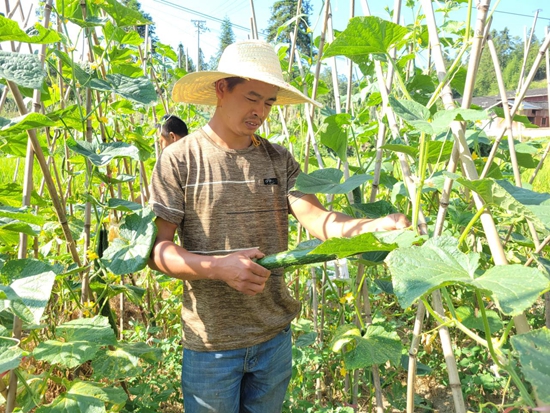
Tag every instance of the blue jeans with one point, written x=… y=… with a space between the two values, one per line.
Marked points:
x=251 y=380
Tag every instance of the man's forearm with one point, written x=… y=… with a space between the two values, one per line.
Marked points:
x=177 y=262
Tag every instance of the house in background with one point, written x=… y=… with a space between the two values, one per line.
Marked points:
x=534 y=107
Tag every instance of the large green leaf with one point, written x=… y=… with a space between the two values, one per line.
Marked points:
x=10 y=354
x=419 y=116
x=123 y=16
x=534 y=355
x=376 y=347
x=114 y=33
x=345 y=247
x=31 y=286
x=375 y=209
x=467 y=317
x=10 y=30
x=123 y=361
x=123 y=205
x=514 y=287
x=23 y=123
x=116 y=364
x=335 y=135
x=521 y=202
x=327 y=181
x=80 y=341
x=166 y=51
x=21 y=215
x=130 y=251
x=409 y=110
x=438 y=151
x=22 y=69
x=102 y=153
x=19 y=227
x=137 y=89
x=419 y=270
x=364 y=36
x=85 y=397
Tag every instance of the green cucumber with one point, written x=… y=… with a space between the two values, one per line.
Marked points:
x=298 y=256
x=292 y=258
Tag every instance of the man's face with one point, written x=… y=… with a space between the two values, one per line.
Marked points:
x=246 y=106
x=164 y=141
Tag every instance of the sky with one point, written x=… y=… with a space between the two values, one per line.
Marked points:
x=176 y=20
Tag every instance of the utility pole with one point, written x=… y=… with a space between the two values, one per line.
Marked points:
x=200 y=25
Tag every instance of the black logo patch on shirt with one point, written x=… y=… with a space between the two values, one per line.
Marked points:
x=271 y=181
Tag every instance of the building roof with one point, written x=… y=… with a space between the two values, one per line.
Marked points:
x=490 y=101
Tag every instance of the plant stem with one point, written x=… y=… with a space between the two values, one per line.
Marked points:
x=497 y=357
x=474 y=219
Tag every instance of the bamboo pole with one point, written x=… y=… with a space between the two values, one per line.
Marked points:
x=84 y=296
x=526 y=48
x=392 y=121
x=349 y=107
x=508 y=124
x=545 y=154
x=27 y=191
x=470 y=171
x=521 y=94
x=293 y=38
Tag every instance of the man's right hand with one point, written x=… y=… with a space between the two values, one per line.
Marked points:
x=240 y=272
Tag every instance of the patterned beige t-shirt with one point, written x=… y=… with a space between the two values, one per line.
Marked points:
x=226 y=200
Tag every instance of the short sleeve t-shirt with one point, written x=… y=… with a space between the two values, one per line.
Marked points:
x=226 y=200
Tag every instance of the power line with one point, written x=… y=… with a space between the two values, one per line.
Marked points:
x=521 y=15
x=203 y=15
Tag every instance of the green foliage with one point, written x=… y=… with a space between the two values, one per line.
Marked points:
x=283 y=20
x=131 y=249
x=22 y=69
x=96 y=130
x=510 y=52
x=533 y=353
x=417 y=271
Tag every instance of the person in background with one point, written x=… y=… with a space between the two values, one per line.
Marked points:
x=228 y=193
x=170 y=130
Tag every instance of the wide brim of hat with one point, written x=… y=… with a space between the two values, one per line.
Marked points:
x=198 y=88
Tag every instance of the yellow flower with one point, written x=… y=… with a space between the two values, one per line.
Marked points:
x=114 y=170
x=113 y=233
x=92 y=255
x=474 y=156
x=94 y=65
x=103 y=119
x=348 y=298
x=343 y=371
x=87 y=308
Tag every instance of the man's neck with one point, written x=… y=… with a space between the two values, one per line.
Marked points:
x=226 y=140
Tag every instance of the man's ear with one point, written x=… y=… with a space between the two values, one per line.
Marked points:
x=173 y=136
x=221 y=87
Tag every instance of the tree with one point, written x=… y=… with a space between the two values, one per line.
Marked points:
x=226 y=38
x=135 y=4
x=281 y=12
x=202 y=63
x=184 y=62
x=510 y=52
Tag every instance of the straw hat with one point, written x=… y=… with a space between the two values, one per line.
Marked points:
x=250 y=59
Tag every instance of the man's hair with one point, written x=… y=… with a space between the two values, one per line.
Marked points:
x=171 y=123
x=233 y=81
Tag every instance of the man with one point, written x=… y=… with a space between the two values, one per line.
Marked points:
x=228 y=193
x=170 y=130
